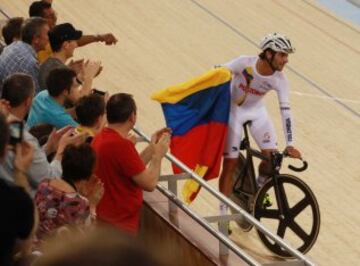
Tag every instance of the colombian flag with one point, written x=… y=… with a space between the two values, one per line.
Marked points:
x=197 y=111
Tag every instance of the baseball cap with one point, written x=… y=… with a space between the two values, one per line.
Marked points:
x=61 y=33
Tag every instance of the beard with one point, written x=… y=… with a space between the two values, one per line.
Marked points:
x=278 y=67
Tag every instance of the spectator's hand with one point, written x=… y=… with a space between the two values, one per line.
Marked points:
x=161 y=147
x=24 y=154
x=4 y=106
x=71 y=138
x=292 y=152
x=108 y=38
x=99 y=71
x=54 y=139
x=76 y=65
x=91 y=69
x=157 y=135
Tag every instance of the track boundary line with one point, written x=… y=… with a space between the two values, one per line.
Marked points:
x=317 y=27
x=332 y=16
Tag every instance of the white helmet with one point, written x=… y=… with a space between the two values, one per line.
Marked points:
x=277 y=42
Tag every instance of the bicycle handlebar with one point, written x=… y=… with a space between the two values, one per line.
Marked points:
x=245 y=145
x=278 y=160
x=299 y=169
x=294 y=168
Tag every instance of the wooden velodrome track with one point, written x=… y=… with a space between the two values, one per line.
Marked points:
x=163 y=42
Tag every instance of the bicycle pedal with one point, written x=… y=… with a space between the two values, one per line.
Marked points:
x=229 y=230
x=267 y=201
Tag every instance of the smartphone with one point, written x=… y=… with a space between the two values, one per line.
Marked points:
x=102 y=93
x=16 y=132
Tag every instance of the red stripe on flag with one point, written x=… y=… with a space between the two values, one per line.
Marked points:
x=202 y=145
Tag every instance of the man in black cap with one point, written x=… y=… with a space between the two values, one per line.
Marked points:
x=63 y=40
x=44 y=9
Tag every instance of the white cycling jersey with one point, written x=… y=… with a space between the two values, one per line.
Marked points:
x=248 y=88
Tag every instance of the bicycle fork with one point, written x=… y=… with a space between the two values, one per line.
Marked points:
x=280 y=195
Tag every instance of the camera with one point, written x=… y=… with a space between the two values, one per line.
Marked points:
x=16 y=132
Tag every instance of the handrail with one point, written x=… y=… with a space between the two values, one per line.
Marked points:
x=208 y=227
x=230 y=203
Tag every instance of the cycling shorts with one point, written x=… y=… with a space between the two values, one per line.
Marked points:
x=261 y=129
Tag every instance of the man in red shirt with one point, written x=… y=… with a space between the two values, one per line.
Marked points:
x=122 y=169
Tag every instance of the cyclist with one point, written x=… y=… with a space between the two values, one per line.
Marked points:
x=253 y=77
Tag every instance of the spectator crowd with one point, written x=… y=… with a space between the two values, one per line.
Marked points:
x=68 y=162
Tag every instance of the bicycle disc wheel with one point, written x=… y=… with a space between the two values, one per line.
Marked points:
x=299 y=225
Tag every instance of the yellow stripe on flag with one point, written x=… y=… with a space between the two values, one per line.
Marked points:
x=191 y=187
x=174 y=94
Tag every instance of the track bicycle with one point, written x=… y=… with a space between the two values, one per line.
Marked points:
x=294 y=215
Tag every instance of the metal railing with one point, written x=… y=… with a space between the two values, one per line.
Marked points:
x=171 y=193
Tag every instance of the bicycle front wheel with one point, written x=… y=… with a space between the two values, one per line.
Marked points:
x=299 y=222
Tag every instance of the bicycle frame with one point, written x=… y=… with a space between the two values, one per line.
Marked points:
x=254 y=199
x=248 y=170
